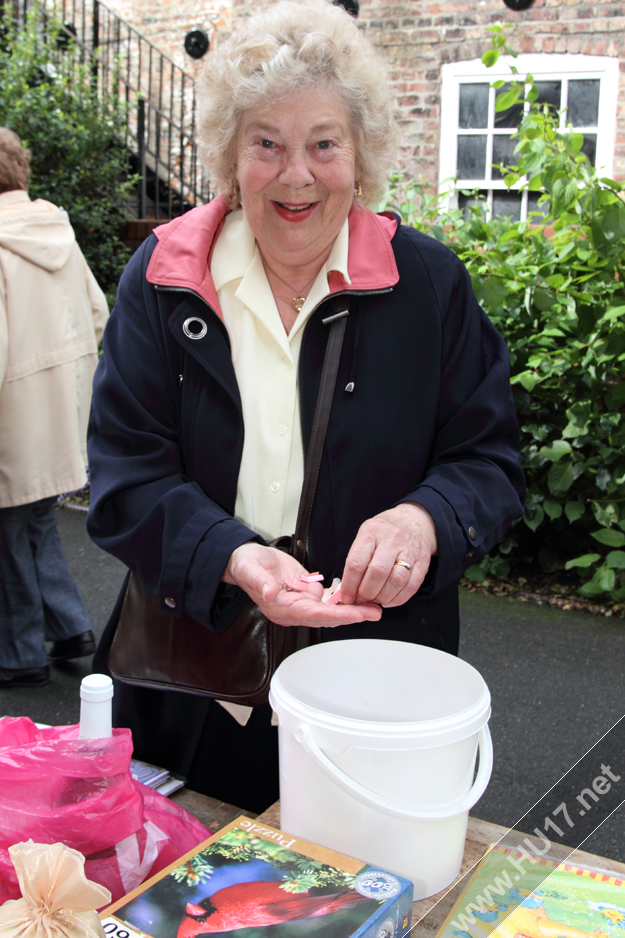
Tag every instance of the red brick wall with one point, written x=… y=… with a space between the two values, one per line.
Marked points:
x=133 y=233
x=417 y=37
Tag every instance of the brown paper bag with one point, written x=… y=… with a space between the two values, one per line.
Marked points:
x=58 y=899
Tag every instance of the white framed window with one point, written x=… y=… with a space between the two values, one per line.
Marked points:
x=475 y=138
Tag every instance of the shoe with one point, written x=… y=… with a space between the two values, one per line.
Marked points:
x=77 y=647
x=24 y=677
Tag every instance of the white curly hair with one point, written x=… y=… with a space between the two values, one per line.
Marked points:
x=291 y=46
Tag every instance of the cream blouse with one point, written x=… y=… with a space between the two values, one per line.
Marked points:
x=265 y=362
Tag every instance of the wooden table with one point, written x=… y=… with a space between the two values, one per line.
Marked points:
x=212 y=813
x=480 y=834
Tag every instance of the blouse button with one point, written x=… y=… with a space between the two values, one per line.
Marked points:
x=281 y=429
x=275 y=486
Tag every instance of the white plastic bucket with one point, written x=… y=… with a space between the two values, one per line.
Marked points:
x=378 y=741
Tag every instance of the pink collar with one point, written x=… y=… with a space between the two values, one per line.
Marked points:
x=182 y=256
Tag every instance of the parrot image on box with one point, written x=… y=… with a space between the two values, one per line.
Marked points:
x=256 y=904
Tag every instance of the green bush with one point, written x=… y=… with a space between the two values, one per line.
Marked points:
x=555 y=288
x=75 y=132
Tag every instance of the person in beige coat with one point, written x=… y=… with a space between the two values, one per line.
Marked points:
x=52 y=314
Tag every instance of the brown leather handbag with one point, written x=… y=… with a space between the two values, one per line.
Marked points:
x=152 y=648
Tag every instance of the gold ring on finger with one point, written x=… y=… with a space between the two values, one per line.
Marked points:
x=403 y=563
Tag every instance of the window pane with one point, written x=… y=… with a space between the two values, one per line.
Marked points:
x=550 y=92
x=471 y=156
x=503 y=152
x=583 y=109
x=533 y=206
x=473 y=106
x=512 y=116
x=589 y=147
x=507 y=203
x=467 y=200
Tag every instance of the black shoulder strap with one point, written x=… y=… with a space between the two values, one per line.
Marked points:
x=337 y=322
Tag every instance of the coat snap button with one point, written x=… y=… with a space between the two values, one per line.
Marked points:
x=194 y=328
x=472 y=533
x=170 y=602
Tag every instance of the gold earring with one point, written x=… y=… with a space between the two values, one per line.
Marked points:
x=358 y=191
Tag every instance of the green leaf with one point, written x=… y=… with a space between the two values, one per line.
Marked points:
x=606 y=513
x=618 y=595
x=577 y=141
x=613 y=224
x=498 y=566
x=609 y=537
x=528 y=379
x=615 y=396
x=606 y=578
x=506 y=100
x=534 y=516
x=475 y=573
x=557 y=450
x=564 y=191
x=611 y=183
x=491 y=292
x=553 y=509
x=555 y=281
x=578 y=416
x=615 y=312
x=490 y=58
x=560 y=477
x=586 y=560
x=574 y=511
x=544 y=299
x=616 y=559
x=603 y=477
x=602 y=582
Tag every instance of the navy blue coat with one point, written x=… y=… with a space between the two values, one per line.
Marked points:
x=430 y=419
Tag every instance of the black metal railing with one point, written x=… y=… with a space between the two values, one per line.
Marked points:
x=160 y=132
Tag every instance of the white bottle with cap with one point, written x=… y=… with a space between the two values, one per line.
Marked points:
x=96 y=693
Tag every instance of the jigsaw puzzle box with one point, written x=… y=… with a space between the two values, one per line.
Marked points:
x=253 y=881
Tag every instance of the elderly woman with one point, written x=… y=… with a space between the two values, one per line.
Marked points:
x=204 y=397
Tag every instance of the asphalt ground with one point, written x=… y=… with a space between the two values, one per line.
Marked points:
x=557 y=681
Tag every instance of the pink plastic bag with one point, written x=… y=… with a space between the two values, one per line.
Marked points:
x=55 y=787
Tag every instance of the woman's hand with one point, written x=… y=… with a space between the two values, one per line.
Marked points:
x=262 y=571
x=372 y=574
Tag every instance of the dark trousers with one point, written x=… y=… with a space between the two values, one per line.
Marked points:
x=38 y=598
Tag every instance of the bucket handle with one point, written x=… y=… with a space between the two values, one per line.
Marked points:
x=304 y=736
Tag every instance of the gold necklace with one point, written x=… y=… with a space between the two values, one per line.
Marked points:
x=298 y=301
